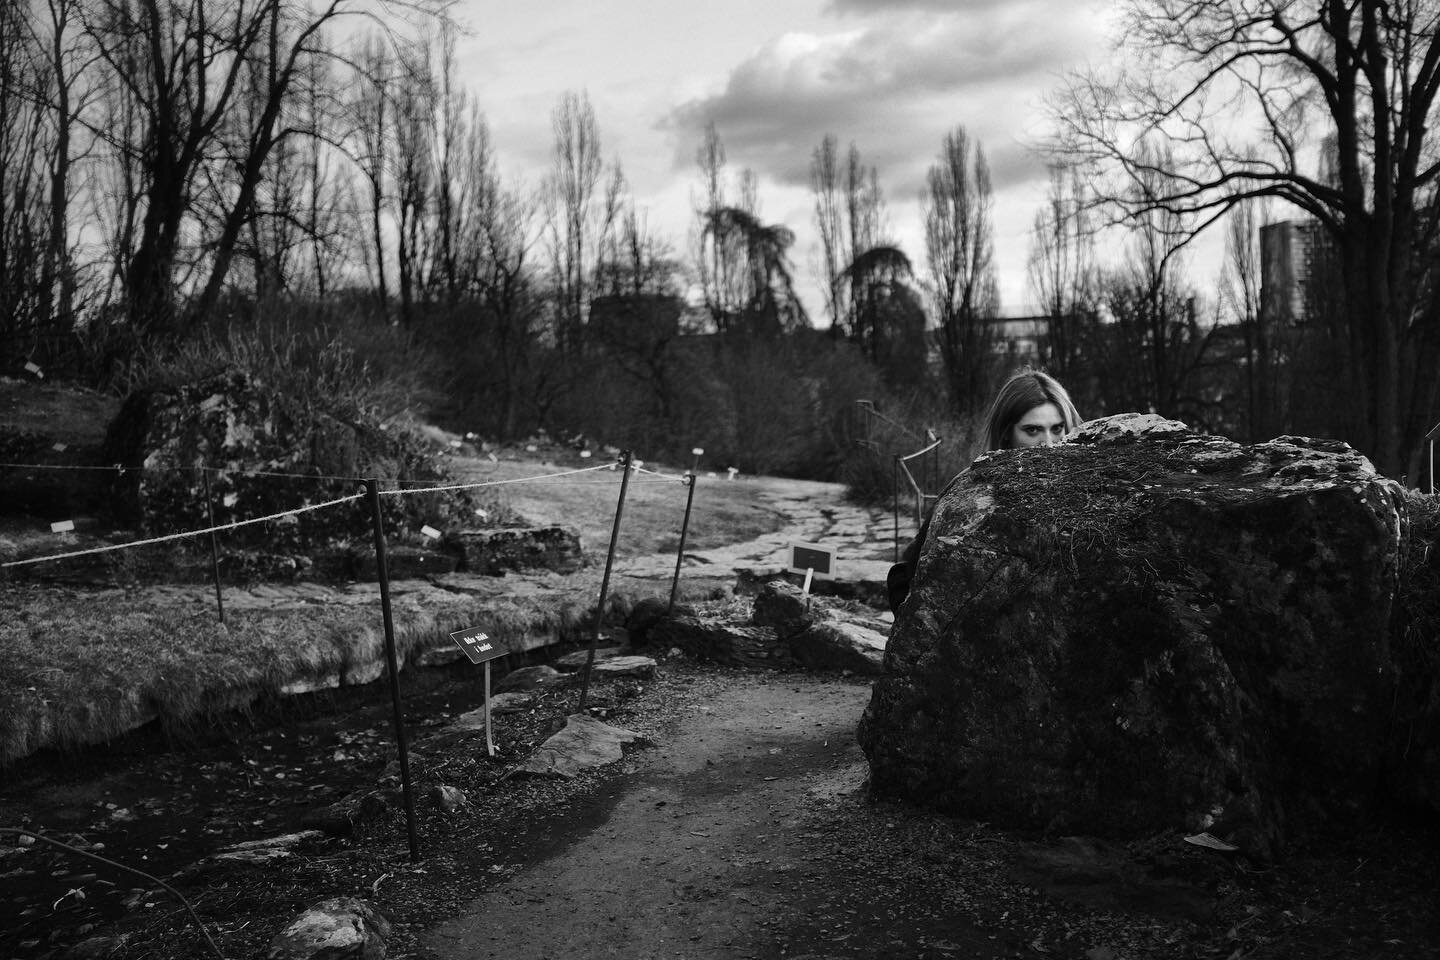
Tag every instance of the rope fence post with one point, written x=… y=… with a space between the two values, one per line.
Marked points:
x=1430 y=438
x=895 y=507
x=684 y=531
x=214 y=544
x=382 y=564
x=625 y=458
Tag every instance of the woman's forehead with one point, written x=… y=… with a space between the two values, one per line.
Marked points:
x=1044 y=413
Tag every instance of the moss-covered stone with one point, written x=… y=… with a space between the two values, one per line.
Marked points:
x=1148 y=630
x=267 y=453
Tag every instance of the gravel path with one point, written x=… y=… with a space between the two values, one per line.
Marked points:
x=719 y=845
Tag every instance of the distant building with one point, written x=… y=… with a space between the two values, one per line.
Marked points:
x=1022 y=338
x=1289 y=251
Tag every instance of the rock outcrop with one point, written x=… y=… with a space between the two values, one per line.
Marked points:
x=1147 y=629
x=818 y=635
x=266 y=453
x=583 y=744
x=495 y=552
x=342 y=928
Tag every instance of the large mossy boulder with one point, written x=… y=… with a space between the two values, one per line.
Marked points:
x=1146 y=629
x=267 y=453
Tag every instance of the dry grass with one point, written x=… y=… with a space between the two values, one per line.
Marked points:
x=85 y=666
x=723 y=511
x=96 y=667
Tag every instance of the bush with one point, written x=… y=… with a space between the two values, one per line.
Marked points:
x=898 y=431
x=358 y=369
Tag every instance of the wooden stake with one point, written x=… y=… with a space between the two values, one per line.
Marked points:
x=489 y=741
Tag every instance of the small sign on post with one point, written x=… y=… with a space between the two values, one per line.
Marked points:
x=480 y=647
x=816 y=558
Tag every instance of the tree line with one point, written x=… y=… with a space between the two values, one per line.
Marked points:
x=168 y=170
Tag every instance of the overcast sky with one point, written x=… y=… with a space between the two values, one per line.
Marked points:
x=775 y=76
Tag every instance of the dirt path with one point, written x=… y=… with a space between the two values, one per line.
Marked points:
x=717 y=846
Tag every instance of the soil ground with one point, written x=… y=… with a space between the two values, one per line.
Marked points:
x=741 y=830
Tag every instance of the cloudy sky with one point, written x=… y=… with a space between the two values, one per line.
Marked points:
x=775 y=76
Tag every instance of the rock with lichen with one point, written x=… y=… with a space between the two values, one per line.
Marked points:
x=267 y=453
x=1148 y=629
x=341 y=928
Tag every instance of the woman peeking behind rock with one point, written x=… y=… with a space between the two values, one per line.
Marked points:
x=1032 y=409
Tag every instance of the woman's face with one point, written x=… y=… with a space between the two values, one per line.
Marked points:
x=1041 y=426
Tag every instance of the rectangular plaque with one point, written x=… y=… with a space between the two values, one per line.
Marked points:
x=813 y=556
x=478 y=645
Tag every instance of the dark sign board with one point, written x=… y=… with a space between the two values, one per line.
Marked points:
x=813 y=556
x=478 y=645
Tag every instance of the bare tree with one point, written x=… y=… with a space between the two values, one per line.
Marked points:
x=959 y=253
x=849 y=217
x=1061 y=268
x=581 y=204
x=1241 y=294
x=23 y=223
x=369 y=138
x=69 y=59
x=412 y=132
x=1362 y=72
x=720 y=255
x=184 y=65
x=829 y=223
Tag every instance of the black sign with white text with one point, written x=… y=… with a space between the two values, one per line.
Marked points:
x=478 y=645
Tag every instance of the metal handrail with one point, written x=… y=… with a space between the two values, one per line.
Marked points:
x=1431 y=437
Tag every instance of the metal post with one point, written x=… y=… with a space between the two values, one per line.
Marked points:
x=214 y=545
x=895 y=507
x=680 y=553
x=382 y=564
x=489 y=738
x=605 y=580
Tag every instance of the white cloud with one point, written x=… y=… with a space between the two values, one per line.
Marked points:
x=891 y=76
x=894 y=89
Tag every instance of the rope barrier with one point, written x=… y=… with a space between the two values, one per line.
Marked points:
x=667 y=476
x=119 y=468
x=222 y=471
x=62 y=466
x=188 y=533
x=492 y=483
x=320 y=506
